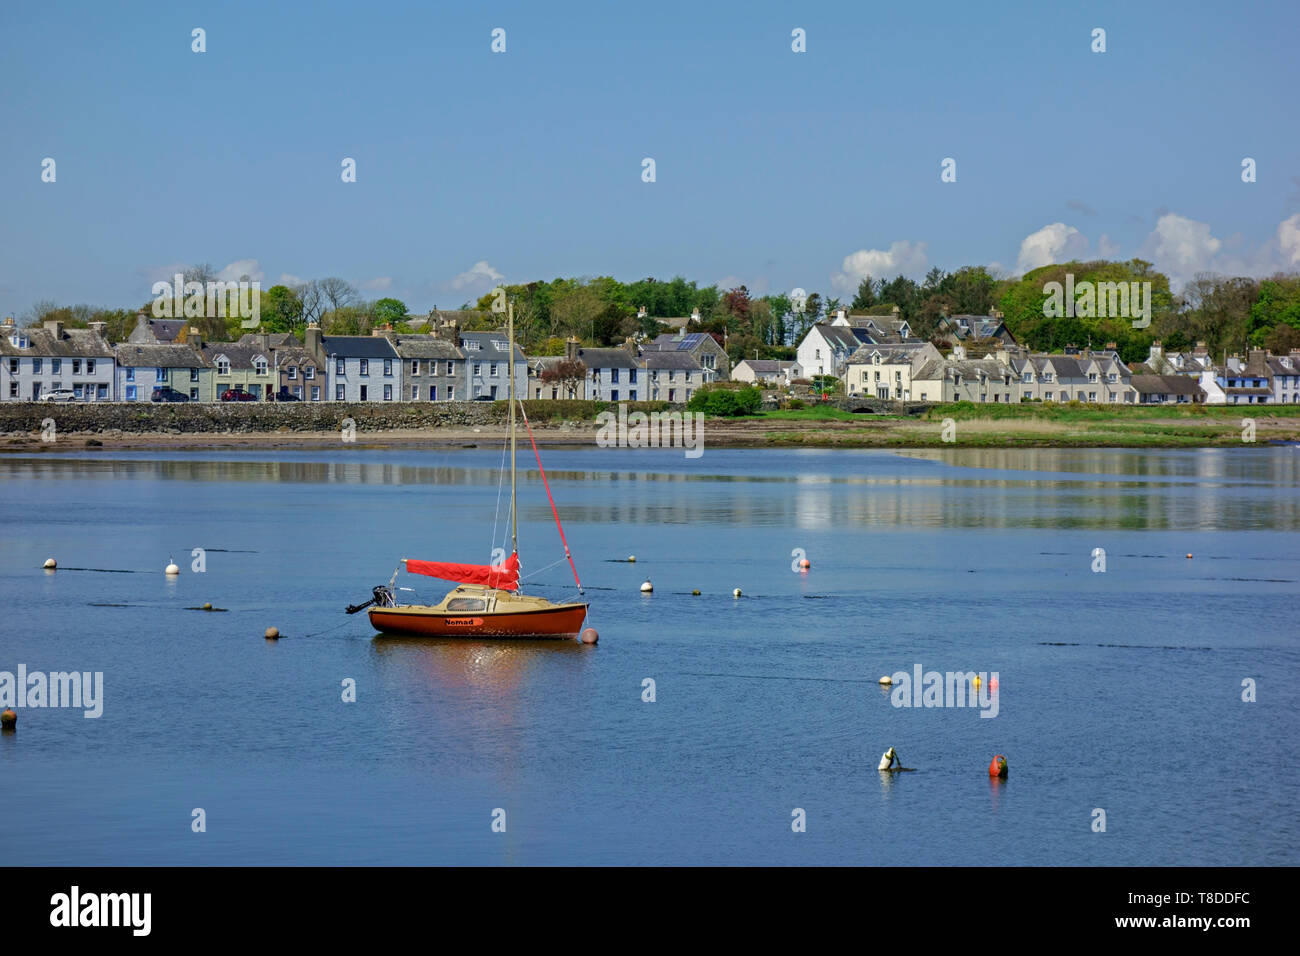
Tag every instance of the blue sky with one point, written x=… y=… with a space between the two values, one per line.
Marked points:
x=773 y=168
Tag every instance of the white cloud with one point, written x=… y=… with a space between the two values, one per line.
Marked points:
x=902 y=258
x=1288 y=242
x=1181 y=247
x=240 y=268
x=479 y=276
x=289 y=279
x=1053 y=243
x=1107 y=249
x=378 y=284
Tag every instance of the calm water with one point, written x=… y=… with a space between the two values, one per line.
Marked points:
x=1119 y=691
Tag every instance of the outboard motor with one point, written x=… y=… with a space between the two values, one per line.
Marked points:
x=381 y=596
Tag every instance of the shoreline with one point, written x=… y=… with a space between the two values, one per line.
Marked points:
x=819 y=434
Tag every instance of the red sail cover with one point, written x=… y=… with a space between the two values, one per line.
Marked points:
x=504 y=576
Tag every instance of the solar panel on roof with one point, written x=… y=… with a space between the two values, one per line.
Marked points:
x=690 y=341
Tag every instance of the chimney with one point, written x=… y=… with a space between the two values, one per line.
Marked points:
x=1200 y=349
x=99 y=328
x=959 y=353
x=842 y=314
x=448 y=332
x=896 y=312
x=55 y=326
x=641 y=312
x=695 y=314
x=1156 y=353
x=629 y=346
x=313 y=343
x=194 y=339
x=571 y=348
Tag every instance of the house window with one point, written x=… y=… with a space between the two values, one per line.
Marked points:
x=309 y=372
x=90 y=366
x=451 y=393
x=388 y=366
x=315 y=393
x=365 y=366
x=223 y=366
x=194 y=375
x=1028 y=396
x=1047 y=396
x=297 y=391
x=338 y=393
x=415 y=393
x=631 y=377
x=631 y=396
x=415 y=367
x=1092 y=396
x=293 y=373
x=613 y=395
x=13 y=389
x=130 y=375
x=259 y=365
x=1047 y=376
x=388 y=393
x=76 y=367
x=36 y=366
x=194 y=395
x=130 y=393
x=451 y=368
x=1029 y=376
x=478 y=368
x=340 y=367
x=160 y=375
x=1092 y=376
x=13 y=367
x=492 y=370
x=56 y=366
x=613 y=376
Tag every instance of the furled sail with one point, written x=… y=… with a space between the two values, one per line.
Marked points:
x=504 y=576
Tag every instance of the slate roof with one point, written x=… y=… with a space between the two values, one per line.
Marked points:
x=608 y=358
x=768 y=365
x=487 y=350
x=240 y=356
x=672 y=360
x=274 y=340
x=157 y=356
x=165 y=330
x=296 y=355
x=669 y=341
x=357 y=346
x=73 y=343
x=425 y=347
x=1167 y=385
x=896 y=353
x=844 y=337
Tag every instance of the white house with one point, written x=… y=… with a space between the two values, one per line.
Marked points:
x=361 y=368
x=826 y=348
x=672 y=376
x=35 y=362
x=487 y=366
x=766 y=371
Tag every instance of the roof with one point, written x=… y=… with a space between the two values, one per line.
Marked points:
x=239 y=355
x=165 y=330
x=73 y=343
x=1284 y=365
x=1166 y=384
x=357 y=346
x=608 y=358
x=767 y=365
x=157 y=356
x=424 y=347
x=896 y=353
x=672 y=360
x=669 y=341
x=274 y=340
x=492 y=347
x=844 y=337
x=296 y=355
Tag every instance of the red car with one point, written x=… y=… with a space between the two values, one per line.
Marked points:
x=237 y=395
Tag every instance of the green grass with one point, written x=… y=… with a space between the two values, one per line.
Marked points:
x=1088 y=412
x=827 y=413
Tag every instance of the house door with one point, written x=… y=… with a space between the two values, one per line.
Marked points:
x=36 y=391
x=363 y=393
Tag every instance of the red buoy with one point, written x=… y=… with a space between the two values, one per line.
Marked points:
x=589 y=636
x=998 y=766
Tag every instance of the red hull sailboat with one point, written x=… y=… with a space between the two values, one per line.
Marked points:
x=487 y=602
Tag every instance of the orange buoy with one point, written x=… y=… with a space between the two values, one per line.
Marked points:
x=998 y=766
x=589 y=636
x=8 y=719
x=1189 y=556
x=993 y=683
x=805 y=564
x=272 y=633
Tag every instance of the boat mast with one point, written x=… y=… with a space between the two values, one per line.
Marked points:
x=510 y=371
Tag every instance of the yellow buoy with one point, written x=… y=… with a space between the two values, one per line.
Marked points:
x=886 y=680
x=736 y=593
x=272 y=633
x=631 y=559
x=207 y=605
x=696 y=591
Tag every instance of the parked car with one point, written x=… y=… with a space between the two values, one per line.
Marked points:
x=237 y=395
x=484 y=398
x=60 y=395
x=283 y=395
x=164 y=393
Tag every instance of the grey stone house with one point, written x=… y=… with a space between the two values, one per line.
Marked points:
x=488 y=366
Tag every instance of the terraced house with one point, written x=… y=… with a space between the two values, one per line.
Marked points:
x=236 y=366
x=886 y=371
x=613 y=375
x=488 y=365
x=959 y=379
x=671 y=377
x=433 y=368
x=40 y=361
x=143 y=368
x=361 y=368
x=1080 y=375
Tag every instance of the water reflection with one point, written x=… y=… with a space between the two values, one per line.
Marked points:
x=1216 y=488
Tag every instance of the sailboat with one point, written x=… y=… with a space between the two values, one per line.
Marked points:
x=487 y=602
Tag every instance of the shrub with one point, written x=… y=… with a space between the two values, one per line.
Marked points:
x=726 y=401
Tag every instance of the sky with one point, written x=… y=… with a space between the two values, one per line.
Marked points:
x=772 y=168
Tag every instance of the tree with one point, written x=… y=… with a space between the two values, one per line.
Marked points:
x=866 y=296
x=568 y=374
x=336 y=292
x=281 y=310
x=390 y=311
